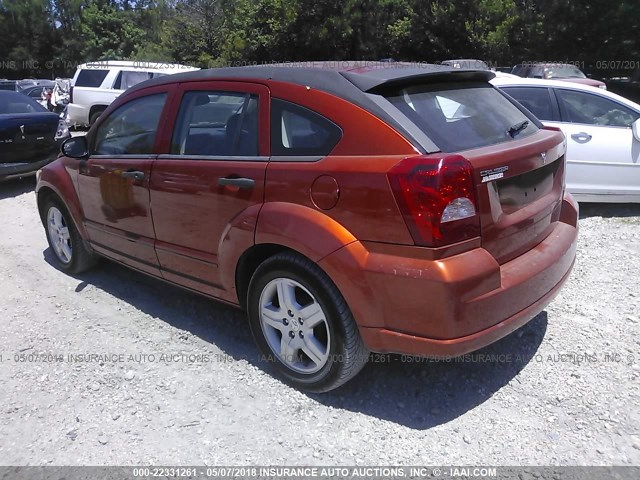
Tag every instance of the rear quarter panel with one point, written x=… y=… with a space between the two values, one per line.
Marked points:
x=365 y=208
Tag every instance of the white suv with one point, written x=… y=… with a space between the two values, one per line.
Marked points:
x=97 y=84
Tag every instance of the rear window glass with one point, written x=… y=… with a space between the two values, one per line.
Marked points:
x=19 y=103
x=91 y=77
x=298 y=131
x=462 y=116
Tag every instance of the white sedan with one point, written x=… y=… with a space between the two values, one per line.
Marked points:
x=602 y=131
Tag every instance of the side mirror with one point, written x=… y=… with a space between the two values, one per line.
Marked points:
x=635 y=128
x=75 y=147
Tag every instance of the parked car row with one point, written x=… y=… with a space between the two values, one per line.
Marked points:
x=96 y=85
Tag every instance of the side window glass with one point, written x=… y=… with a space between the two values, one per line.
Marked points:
x=128 y=79
x=216 y=124
x=91 y=78
x=131 y=129
x=581 y=107
x=298 y=131
x=536 y=100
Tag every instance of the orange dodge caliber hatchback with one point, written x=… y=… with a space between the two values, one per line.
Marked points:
x=347 y=208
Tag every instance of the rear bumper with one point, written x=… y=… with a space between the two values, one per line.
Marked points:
x=455 y=305
x=21 y=169
x=77 y=114
x=383 y=340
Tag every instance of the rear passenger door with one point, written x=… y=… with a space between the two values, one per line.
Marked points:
x=212 y=170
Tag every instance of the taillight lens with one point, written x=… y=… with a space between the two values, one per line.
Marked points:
x=436 y=195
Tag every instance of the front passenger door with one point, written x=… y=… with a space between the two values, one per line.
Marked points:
x=113 y=182
x=603 y=157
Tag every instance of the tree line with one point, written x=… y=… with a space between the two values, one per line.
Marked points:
x=48 y=38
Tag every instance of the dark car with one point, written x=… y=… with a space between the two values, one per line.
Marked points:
x=565 y=72
x=347 y=208
x=35 y=91
x=30 y=136
x=10 y=85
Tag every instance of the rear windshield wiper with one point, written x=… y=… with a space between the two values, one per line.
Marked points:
x=517 y=128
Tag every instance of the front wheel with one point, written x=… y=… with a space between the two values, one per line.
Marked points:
x=70 y=253
x=303 y=325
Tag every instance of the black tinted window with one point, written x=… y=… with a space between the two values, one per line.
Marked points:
x=11 y=102
x=36 y=92
x=298 y=131
x=216 y=124
x=131 y=129
x=536 y=100
x=462 y=116
x=589 y=109
x=91 y=78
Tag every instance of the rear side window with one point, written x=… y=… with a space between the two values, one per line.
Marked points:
x=536 y=100
x=129 y=79
x=91 y=78
x=298 y=131
x=216 y=124
x=462 y=116
x=130 y=129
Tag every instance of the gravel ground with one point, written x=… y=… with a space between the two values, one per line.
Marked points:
x=183 y=384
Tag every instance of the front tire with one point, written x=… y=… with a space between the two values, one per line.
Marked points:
x=302 y=324
x=68 y=248
x=93 y=118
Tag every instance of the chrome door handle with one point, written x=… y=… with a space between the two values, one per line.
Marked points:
x=237 y=182
x=581 y=137
x=136 y=175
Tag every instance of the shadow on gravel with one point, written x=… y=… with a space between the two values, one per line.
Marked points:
x=609 y=210
x=418 y=394
x=17 y=186
x=424 y=393
x=216 y=323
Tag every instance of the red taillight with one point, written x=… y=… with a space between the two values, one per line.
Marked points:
x=70 y=94
x=436 y=195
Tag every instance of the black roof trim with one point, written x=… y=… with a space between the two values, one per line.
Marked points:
x=377 y=80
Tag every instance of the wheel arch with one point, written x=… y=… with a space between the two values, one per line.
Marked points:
x=284 y=227
x=55 y=181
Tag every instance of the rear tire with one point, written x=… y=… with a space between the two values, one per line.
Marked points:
x=302 y=324
x=69 y=251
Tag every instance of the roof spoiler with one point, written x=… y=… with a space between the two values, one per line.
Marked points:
x=374 y=81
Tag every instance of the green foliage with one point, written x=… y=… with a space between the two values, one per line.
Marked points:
x=49 y=37
x=108 y=32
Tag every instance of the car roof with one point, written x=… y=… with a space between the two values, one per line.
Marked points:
x=366 y=76
x=353 y=81
x=500 y=81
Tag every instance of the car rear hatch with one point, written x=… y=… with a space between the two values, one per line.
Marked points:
x=28 y=138
x=519 y=192
x=482 y=149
